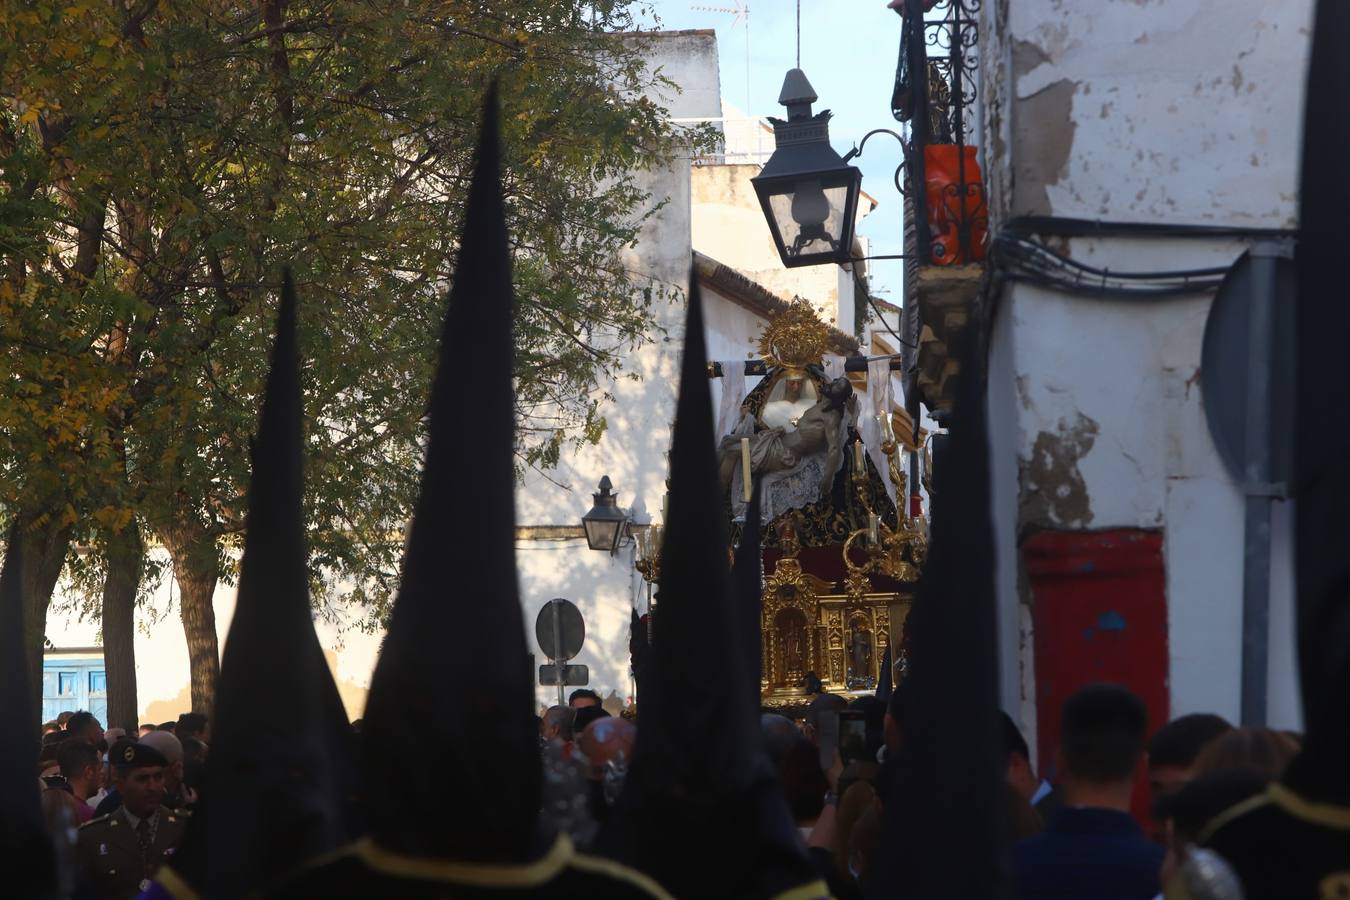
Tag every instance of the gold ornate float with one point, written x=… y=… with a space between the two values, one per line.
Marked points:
x=840 y=566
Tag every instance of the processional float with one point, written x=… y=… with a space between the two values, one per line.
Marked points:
x=841 y=551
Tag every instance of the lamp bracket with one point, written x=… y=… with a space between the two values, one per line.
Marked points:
x=857 y=151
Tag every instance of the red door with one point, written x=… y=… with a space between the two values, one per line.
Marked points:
x=1099 y=613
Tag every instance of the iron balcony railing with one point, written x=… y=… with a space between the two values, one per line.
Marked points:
x=934 y=97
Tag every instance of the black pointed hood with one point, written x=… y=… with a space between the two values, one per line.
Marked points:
x=1321 y=433
x=453 y=687
x=945 y=797
x=748 y=574
x=701 y=811
x=31 y=871
x=281 y=767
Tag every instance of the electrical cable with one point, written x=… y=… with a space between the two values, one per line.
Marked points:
x=873 y=303
x=1062 y=226
x=1032 y=262
x=1017 y=253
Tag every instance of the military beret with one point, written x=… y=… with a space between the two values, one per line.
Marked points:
x=134 y=755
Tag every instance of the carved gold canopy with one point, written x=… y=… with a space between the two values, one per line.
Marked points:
x=809 y=626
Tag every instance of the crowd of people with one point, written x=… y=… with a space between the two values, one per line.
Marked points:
x=121 y=801
x=76 y=754
x=1076 y=835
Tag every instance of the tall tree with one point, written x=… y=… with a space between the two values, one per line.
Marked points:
x=198 y=145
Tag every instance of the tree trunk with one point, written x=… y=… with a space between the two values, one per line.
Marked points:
x=196 y=571
x=125 y=550
x=126 y=561
x=44 y=555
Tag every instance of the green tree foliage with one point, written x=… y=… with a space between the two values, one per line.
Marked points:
x=162 y=160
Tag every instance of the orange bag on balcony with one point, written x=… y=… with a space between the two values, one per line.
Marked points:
x=948 y=211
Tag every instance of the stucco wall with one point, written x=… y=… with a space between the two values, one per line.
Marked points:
x=1137 y=111
x=638 y=410
x=1187 y=110
x=729 y=226
x=162 y=657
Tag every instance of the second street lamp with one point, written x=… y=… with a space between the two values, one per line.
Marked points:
x=808 y=193
x=606 y=524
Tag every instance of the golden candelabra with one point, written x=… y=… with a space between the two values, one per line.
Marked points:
x=896 y=553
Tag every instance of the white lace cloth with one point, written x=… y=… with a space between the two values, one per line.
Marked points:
x=790 y=489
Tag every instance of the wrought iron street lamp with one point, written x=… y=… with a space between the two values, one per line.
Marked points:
x=606 y=524
x=809 y=194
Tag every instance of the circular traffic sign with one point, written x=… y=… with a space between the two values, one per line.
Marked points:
x=1227 y=365
x=560 y=629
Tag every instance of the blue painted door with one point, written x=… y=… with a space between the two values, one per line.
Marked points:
x=73 y=684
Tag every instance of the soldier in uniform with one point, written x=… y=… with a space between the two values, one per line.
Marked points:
x=118 y=853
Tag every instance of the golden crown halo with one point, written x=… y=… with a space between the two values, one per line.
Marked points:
x=795 y=339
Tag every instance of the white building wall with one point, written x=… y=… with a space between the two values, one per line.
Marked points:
x=161 y=650
x=633 y=449
x=1004 y=429
x=729 y=226
x=1187 y=112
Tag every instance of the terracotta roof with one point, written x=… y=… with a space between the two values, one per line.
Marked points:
x=758 y=299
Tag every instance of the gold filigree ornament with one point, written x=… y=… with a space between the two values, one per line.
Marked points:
x=899 y=555
x=795 y=339
x=857 y=584
x=789 y=585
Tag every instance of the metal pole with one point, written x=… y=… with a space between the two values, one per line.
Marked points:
x=919 y=126
x=1258 y=488
x=956 y=59
x=558 y=661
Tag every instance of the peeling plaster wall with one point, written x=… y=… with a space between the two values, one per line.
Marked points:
x=1139 y=110
x=1133 y=110
x=1110 y=432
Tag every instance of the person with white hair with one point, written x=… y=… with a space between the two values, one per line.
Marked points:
x=177 y=795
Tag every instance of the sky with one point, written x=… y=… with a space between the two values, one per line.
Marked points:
x=849 y=50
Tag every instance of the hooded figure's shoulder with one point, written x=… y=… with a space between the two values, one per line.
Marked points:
x=562 y=871
x=1281 y=843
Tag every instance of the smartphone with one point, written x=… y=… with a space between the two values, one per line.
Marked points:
x=852 y=725
x=827 y=736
